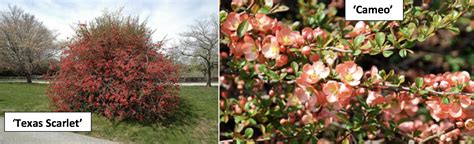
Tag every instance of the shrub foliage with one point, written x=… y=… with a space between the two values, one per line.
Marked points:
x=112 y=67
x=298 y=80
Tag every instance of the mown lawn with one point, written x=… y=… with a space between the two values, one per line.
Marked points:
x=195 y=122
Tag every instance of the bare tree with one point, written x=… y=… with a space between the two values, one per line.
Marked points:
x=201 y=41
x=24 y=41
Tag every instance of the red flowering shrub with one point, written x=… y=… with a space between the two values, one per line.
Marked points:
x=113 y=68
x=288 y=81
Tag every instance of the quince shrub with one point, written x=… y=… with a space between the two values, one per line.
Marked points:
x=113 y=68
x=285 y=80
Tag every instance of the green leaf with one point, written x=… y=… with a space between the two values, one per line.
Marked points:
x=252 y=121
x=357 y=52
x=391 y=38
x=359 y=40
x=272 y=75
x=280 y=8
x=455 y=89
x=248 y=132
x=445 y=100
x=436 y=19
x=454 y=29
x=294 y=49
x=345 y=42
x=402 y=52
x=243 y=28
x=222 y=16
x=387 y=53
x=380 y=38
x=419 y=82
x=264 y=10
x=295 y=66
x=239 y=127
x=238 y=118
x=358 y=118
x=262 y=68
x=225 y=118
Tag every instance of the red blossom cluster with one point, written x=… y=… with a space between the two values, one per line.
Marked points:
x=115 y=70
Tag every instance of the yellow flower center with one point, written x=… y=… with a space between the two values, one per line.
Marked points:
x=348 y=77
x=286 y=39
x=314 y=76
x=469 y=124
x=275 y=49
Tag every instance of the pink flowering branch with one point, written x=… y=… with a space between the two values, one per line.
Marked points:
x=338 y=49
x=430 y=90
x=437 y=135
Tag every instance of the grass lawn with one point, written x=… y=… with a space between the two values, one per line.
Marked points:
x=195 y=122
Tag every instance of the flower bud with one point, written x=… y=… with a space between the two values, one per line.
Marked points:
x=283 y=121
x=271 y=93
x=281 y=61
x=289 y=69
x=222 y=104
x=307 y=34
x=314 y=58
x=360 y=91
x=306 y=50
x=469 y=124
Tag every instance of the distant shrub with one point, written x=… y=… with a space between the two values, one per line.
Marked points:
x=113 y=68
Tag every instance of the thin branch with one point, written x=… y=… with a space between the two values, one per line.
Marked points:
x=337 y=49
x=438 y=134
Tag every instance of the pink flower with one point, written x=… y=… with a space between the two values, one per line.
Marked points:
x=349 y=73
x=286 y=36
x=281 y=60
x=271 y=48
x=470 y=87
x=374 y=75
x=455 y=110
x=306 y=50
x=408 y=126
x=307 y=33
x=318 y=32
x=469 y=124
x=440 y=110
x=458 y=78
x=359 y=28
x=313 y=73
x=306 y=119
x=336 y=91
x=374 y=98
x=263 y=23
x=250 y=48
x=232 y=22
x=330 y=57
x=465 y=101
x=236 y=49
x=302 y=94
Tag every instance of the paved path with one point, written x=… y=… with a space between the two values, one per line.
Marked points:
x=182 y=84
x=46 y=137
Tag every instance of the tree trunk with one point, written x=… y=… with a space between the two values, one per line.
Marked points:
x=28 y=78
x=208 y=84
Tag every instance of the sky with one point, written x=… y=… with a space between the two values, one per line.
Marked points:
x=167 y=17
